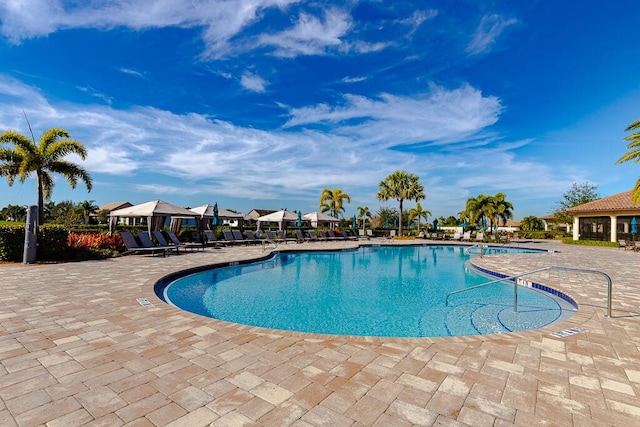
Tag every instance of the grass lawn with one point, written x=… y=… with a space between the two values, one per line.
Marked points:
x=11 y=223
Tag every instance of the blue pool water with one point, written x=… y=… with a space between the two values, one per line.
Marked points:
x=395 y=291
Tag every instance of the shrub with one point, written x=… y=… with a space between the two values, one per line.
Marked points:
x=570 y=241
x=84 y=246
x=52 y=243
x=11 y=242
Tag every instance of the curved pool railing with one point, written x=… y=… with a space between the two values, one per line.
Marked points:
x=553 y=267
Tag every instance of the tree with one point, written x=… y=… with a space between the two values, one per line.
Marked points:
x=578 y=194
x=486 y=207
x=401 y=186
x=531 y=223
x=363 y=214
x=15 y=213
x=503 y=208
x=332 y=201
x=87 y=207
x=42 y=159
x=633 y=154
x=386 y=215
x=418 y=212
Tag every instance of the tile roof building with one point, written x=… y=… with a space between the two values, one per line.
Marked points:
x=608 y=218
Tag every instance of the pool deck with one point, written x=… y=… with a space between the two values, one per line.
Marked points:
x=77 y=348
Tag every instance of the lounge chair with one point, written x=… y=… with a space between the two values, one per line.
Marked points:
x=300 y=237
x=146 y=242
x=479 y=237
x=457 y=236
x=180 y=244
x=251 y=238
x=283 y=237
x=313 y=237
x=636 y=247
x=273 y=237
x=333 y=236
x=211 y=239
x=134 y=247
x=229 y=238
x=623 y=244
x=466 y=236
x=347 y=237
x=237 y=235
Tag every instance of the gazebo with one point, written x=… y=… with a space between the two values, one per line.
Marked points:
x=156 y=212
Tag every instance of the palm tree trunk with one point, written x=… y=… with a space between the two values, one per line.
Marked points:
x=400 y=220
x=40 y=202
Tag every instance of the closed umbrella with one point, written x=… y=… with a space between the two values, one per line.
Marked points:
x=634 y=228
x=354 y=225
x=215 y=213
x=299 y=222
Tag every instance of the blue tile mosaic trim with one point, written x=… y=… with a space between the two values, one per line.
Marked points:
x=534 y=285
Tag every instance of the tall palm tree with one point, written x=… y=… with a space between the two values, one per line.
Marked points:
x=401 y=186
x=504 y=208
x=363 y=214
x=332 y=201
x=418 y=212
x=633 y=154
x=44 y=158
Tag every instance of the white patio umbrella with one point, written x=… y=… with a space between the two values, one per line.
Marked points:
x=281 y=217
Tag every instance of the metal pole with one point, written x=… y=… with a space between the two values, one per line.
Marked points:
x=30 y=236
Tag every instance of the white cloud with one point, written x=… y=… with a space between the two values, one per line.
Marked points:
x=439 y=115
x=490 y=28
x=221 y=19
x=159 y=152
x=353 y=79
x=131 y=72
x=253 y=82
x=310 y=35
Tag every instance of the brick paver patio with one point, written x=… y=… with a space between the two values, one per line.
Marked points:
x=76 y=348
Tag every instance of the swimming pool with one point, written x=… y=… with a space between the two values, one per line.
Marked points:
x=395 y=291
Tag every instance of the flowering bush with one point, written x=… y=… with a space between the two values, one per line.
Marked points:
x=95 y=245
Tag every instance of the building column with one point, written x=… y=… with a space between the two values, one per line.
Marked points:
x=614 y=228
x=576 y=228
x=546 y=225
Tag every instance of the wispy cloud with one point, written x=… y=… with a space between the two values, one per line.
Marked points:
x=310 y=35
x=192 y=154
x=438 y=115
x=353 y=79
x=131 y=72
x=490 y=28
x=253 y=82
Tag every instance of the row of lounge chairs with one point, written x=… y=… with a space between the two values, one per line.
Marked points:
x=144 y=244
x=236 y=237
x=629 y=245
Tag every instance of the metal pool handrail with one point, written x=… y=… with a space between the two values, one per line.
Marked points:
x=477 y=245
x=553 y=267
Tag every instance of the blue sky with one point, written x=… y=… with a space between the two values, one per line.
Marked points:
x=263 y=103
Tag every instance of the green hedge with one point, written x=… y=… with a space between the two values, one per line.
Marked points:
x=570 y=241
x=11 y=242
x=52 y=243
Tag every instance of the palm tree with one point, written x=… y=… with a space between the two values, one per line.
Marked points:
x=363 y=214
x=504 y=208
x=332 y=201
x=87 y=207
x=401 y=186
x=43 y=159
x=418 y=212
x=633 y=154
